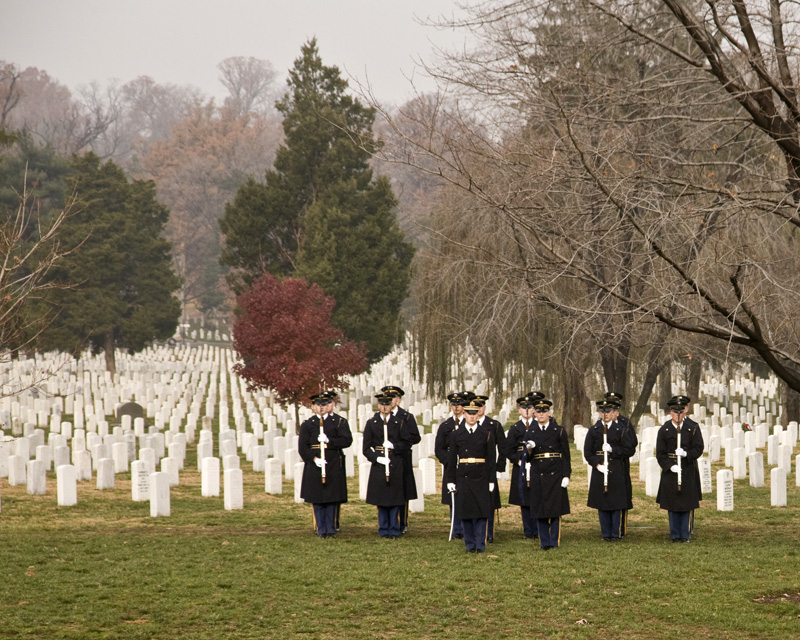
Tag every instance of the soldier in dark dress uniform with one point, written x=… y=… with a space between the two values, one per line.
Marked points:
x=608 y=445
x=616 y=399
x=471 y=475
x=383 y=437
x=330 y=431
x=440 y=450
x=409 y=424
x=679 y=444
x=520 y=466
x=548 y=450
x=500 y=442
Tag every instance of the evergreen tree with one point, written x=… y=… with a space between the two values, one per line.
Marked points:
x=120 y=277
x=320 y=214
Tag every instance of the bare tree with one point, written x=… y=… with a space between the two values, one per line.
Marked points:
x=29 y=250
x=250 y=84
x=638 y=199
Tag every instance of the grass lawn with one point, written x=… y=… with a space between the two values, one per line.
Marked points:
x=105 y=569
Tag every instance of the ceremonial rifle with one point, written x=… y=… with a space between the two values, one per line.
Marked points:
x=605 y=458
x=385 y=450
x=322 y=449
x=678 y=459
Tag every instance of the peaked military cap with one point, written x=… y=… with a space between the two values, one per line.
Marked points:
x=606 y=405
x=384 y=398
x=526 y=402
x=543 y=405
x=472 y=405
x=678 y=402
x=394 y=391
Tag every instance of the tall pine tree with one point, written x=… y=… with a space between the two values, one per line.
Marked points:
x=320 y=213
x=119 y=282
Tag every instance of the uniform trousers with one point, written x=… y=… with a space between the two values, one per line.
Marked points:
x=475 y=534
x=528 y=523
x=325 y=518
x=549 y=532
x=389 y=522
x=610 y=523
x=680 y=525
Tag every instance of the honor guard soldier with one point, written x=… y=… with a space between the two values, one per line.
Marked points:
x=616 y=399
x=520 y=465
x=607 y=447
x=320 y=443
x=383 y=437
x=471 y=476
x=679 y=444
x=409 y=424
x=500 y=442
x=441 y=447
x=548 y=450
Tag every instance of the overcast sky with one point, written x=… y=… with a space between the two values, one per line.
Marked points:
x=182 y=41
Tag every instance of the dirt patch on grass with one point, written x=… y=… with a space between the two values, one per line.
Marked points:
x=793 y=598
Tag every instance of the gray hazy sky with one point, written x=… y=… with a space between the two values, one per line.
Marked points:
x=182 y=41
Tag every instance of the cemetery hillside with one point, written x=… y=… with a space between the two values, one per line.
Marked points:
x=163 y=501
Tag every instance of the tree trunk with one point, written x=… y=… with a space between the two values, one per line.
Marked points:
x=693 y=378
x=297 y=418
x=576 y=401
x=654 y=368
x=791 y=404
x=615 y=367
x=108 y=350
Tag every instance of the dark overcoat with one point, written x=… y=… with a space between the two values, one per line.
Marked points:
x=472 y=497
x=688 y=498
x=381 y=492
x=623 y=446
x=550 y=464
x=335 y=487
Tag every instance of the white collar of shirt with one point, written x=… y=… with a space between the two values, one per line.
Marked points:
x=608 y=424
x=677 y=425
x=480 y=420
x=394 y=411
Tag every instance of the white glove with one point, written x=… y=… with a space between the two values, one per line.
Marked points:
x=387 y=445
x=491 y=487
x=680 y=451
x=607 y=447
x=601 y=468
x=530 y=444
x=674 y=468
x=322 y=437
x=318 y=462
x=565 y=483
x=382 y=460
x=451 y=487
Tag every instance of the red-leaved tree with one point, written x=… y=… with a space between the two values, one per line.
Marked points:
x=287 y=343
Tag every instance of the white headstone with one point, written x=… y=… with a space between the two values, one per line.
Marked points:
x=259 y=456
x=234 y=489
x=36 y=478
x=209 y=483
x=724 y=490
x=704 y=467
x=273 y=476
x=83 y=463
x=290 y=458
x=105 y=473
x=67 y=485
x=140 y=481
x=739 y=458
x=119 y=453
x=159 y=494
x=777 y=489
x=755 y=463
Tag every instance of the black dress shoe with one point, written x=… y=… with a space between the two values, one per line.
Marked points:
x=489 y=539
x=458 y=536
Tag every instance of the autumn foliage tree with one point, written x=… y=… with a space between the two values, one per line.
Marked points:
x=287 y=343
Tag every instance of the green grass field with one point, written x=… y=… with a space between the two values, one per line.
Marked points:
x=105 y=569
